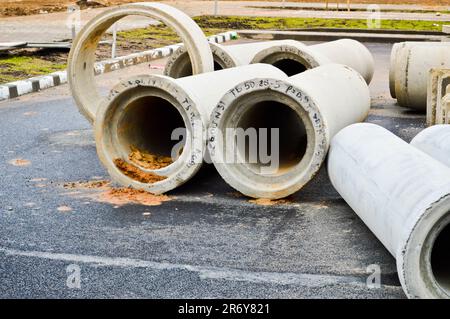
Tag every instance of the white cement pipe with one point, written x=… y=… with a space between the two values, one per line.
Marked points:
x=82 y=55
x=435 y=141
x=292 y=57
x=143 y=112
x=393 y=60
x=225 y=56
x=409 y=70
x=403 y=196
x=307 y=109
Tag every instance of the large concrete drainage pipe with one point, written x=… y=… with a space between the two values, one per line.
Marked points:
x=403 y=196
x=290 y=123
x=151 y=130
x=82 y=55
x=293 y=58
x=411 y=63
x=225 y=56
x=435 y=141
x=290 y=56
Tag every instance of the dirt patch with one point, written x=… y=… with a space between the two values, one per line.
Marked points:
x=11 y=8
x=147 y=160
x=30 y=113
x=101 y=191
x=135 y=173
x=64 y=209
x=87 y=185
x=19 y=162
x=269 y=202
x=123 y=196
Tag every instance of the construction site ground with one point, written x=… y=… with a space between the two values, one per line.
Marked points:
x=58 y=207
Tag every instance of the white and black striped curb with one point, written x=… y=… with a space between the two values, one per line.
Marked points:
x=35 y=84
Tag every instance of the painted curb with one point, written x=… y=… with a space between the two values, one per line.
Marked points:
x=18 y=88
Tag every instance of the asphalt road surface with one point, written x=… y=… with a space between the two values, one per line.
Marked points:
x=204 y=240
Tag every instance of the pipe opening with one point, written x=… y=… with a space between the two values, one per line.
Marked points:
x=286 y=149
x=440 y=259
x=290 y=67
x=183 y=67
x=145 y=130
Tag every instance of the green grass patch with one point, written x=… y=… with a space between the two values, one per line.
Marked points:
x=343 y=8
x=13 y=68
x=269 y=23
x=159 y=34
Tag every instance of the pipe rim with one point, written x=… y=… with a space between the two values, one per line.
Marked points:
x=108 y=116
x=414 y=261
x=393 y=64
x=299 y=53
x=237 y=175
x=82 y=55
x=220 y=56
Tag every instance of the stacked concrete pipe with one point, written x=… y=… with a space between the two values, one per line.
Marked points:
x=179 y=64
x=409 y=70
x=290 y=56
x=144 y=111
x=82 y=55
x=403 y=196
x=435 y=141
x=309 y=109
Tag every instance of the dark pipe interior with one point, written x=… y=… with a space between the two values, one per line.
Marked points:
x=292 y=133
x=186 y=68
x=290 y=67
x=440 y=259
x=148 y=123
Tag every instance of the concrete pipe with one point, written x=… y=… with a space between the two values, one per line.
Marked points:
x=392 y=63
x=293 y=58
x=403 y=196
x=225 y=56
x=82 y=55
x=435 y=141
x=295 y=118
x=151 y=130
x=393 y=60
x=410 y=66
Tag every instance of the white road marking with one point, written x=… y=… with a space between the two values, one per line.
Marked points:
x=308 y=280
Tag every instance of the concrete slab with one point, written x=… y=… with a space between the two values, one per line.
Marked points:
x=438 y=97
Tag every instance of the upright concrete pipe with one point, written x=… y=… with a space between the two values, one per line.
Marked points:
x=403 y=196
x=225 y=56
x=144 y=112
x=290 y=56
x=409 y=70
x=435 y=141
x=82 y=55
x=308 y=109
